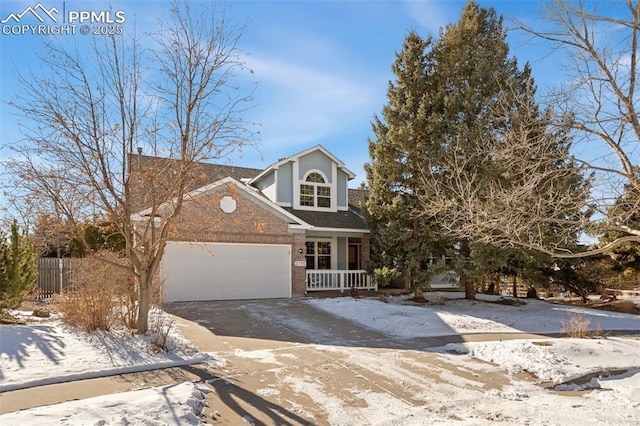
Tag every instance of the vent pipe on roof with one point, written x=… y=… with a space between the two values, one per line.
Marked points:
x=139 y=156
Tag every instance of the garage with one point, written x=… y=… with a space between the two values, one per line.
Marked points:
x=226 y=271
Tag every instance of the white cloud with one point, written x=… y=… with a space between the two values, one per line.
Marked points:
x=300 y=104
x=433 y=15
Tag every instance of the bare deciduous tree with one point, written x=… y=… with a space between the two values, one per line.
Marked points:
x=596 y=106
x=93 y=106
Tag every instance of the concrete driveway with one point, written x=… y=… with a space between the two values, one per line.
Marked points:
x=283 y=362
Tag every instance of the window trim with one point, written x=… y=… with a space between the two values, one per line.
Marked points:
x=297 y=179
x=316 y=255
x=316 y=191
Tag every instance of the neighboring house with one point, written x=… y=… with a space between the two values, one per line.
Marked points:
x=273 y=233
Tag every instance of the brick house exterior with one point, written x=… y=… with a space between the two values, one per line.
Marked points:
x=296 y=212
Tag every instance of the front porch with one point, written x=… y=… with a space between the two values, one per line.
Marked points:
x=328 y=279
x=336 y=262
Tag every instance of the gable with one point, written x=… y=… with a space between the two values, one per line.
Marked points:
x=286 y=181
x=226 y=205
x=316 y=161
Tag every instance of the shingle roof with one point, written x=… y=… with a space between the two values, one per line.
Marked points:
x=214 y=172
x=144 y=168
x=341 y=219
x=206 y=173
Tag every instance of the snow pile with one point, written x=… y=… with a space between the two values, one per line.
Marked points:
x=174 y=404
x=561 y=360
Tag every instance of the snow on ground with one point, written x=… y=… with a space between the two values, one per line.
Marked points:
x=166 y=405
x=50 y=352
x=30 y=353
x=555 y=360
x=463 y=316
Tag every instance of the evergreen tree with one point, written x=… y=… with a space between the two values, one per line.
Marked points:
x=18 y=268
x=471 y=69
x=441 y=145
x=401 y=240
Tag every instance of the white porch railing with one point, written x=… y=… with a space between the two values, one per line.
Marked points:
x=328 y=279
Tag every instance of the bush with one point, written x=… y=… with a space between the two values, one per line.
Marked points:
x=101 y=294
x=577 y=327
x=160 y=331
x=18 y=268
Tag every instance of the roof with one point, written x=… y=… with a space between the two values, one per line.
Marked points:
x=214 y=172
x=294 y=157
x=201 y=175
x=206 y=175
x=339 y=220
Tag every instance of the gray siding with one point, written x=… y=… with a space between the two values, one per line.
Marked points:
x=285 y=183
x=315 y=160
x=343 y=261
x=342 y=188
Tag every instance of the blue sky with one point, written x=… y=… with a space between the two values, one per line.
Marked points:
x=322 y=67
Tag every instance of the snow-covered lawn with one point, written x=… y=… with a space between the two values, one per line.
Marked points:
x=554 y=360
x=49 y=352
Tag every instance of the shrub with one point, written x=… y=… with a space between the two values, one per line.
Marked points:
x=577 y=326
x=18 y=268
x=160 y=328
x=101 y=294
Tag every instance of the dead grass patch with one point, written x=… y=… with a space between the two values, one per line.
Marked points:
x=578 y=327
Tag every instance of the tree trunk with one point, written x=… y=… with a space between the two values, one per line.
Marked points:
x=469 y=284
x=515 y=286
x=469 y=287
x=406 y=281
x=144 y=300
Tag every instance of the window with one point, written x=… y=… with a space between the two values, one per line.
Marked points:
x=307 y=195
x=315 y=177
x=315 y=192
x=324 y=196
x=318 y=255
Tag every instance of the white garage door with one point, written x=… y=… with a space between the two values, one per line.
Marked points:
x=222 y=271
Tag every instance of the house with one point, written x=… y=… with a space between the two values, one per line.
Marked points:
x=280 y=232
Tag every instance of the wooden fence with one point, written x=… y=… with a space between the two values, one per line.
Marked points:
x=53 y=275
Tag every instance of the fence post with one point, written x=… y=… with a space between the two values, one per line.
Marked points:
x=60 y=274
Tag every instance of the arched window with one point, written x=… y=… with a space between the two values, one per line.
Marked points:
x=315 y=192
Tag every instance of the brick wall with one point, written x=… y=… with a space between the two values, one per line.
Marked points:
x=203 y=220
